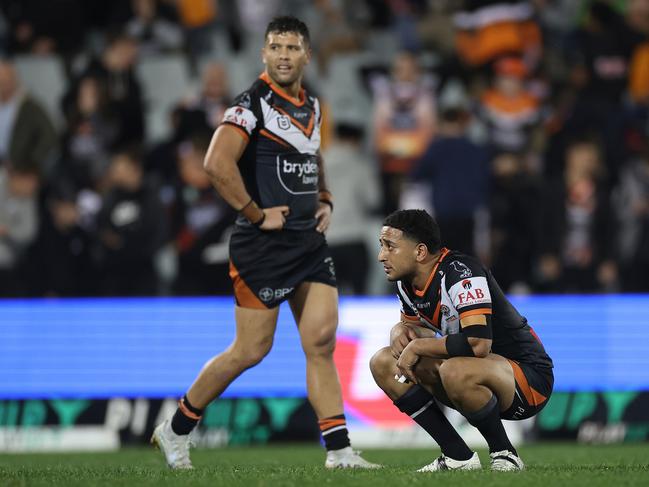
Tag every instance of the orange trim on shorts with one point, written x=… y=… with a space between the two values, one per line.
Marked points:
x=242 y=293
x=187 y=412
x=532 y=396
x=473 y=312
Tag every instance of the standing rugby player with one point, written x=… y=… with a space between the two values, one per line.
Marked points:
x=264 y=160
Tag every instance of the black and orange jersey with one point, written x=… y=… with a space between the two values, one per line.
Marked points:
x=280 y=163
x=459 y=286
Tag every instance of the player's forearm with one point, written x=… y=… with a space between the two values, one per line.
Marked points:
x=430 y=347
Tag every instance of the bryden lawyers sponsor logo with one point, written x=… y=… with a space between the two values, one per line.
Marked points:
x=298 y=173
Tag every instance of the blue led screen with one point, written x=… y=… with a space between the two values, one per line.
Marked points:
x=99 y=348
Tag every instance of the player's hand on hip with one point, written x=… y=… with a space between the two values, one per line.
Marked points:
x=275 y=218
x=407 y=361
x=323 y=215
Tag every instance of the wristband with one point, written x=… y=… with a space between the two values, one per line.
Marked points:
x=260 y=222
x=457 y=345
x=250 y=212
x=324 y=196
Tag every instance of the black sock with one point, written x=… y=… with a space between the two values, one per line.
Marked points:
x=420 y=405
x=185 y=418
x=334 y=432
x=487 y=420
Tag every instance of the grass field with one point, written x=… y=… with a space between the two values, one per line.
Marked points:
x=548 y=465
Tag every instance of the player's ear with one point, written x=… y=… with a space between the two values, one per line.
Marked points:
x=421 y=251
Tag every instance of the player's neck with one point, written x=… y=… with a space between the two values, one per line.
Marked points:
x=424 y=271
x=292 y=90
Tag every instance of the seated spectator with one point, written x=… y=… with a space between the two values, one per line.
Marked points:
x=154 y=33
x=202 y=223
x=404 y=124
x=130 y=229
x=515 y=222
x=490 y=29
x=578 y=246
x=510 y=113
x=115 y=72
x=61 y=260
x=214 y=96
x=353 y=181
x=632 y=208
x=27 y=136
x=90 y=135
x=18 y=225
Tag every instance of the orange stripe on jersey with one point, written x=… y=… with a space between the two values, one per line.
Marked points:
x=473 y=312
x=241 y=131
x=187 y=412
x=272 y=137
x=445 y=251
x=243 y=294
x=295 y=101
x=436 y=313
x=532 y=396
x=308 y=130
x=408 y=317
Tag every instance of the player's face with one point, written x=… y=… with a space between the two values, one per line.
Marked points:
x=285 y=54
x=397 y=254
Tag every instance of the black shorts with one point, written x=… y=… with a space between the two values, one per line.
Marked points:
x=533 y=389
x=267 y=267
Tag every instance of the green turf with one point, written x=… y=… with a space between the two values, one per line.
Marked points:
x=548 y=465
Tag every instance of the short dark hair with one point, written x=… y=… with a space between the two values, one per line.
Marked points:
x=416 y=225
x=288 y=23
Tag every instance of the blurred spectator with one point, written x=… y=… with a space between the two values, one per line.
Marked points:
x=404 y=124
x=333 y=31
x=61 y=261
x=632 y=207
x=27 y=136
x=578 y=231
x=490 y=29
x=214 y=96
x=197 y=18
x=457 y=171
x=18 y=225
x=515 y=222
x=354 y=184
x=508 y=110
x=47 y=26
x=154 y=33
x=115 y=71
x=202 y=223
x=602 y=50
x=91 y=133
x=130 y=229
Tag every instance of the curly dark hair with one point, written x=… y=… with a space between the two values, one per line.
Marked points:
x=416 y=225
x=288 y=23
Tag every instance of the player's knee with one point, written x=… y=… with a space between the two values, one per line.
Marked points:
x=382 y=364
x=250 y=354
x=453 y=375
x=320 y=342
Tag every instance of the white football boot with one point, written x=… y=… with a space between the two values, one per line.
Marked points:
x=447 y=463
x=347 y=458
x=174 y=447
x=506 y=461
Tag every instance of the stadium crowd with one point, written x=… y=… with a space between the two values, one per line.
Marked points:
x=523 y=125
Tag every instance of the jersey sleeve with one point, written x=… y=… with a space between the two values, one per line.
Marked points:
x=241 y=115
x=407 y=308
x=468 y=288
